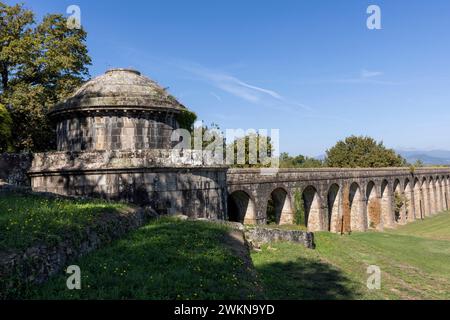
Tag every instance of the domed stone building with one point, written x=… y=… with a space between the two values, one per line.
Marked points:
x=120 y=110
x=114 y=141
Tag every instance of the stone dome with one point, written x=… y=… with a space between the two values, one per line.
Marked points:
x=119 y=89
x=119 y=110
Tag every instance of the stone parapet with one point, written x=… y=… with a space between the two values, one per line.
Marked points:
x=110 y=160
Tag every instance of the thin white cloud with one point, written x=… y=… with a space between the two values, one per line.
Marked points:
x=266 y=91
x=239 y=88
x=216 y=96
x=233 y=85
x=367 y=81
x=370 y=74
x=364 y=77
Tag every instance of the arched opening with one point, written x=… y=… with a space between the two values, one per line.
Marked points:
x=279 y=210
x=399 y=202
x=386 y=204
x=334 y=209
x=373 y=207
x=409 y=202
x=241 y=208
x=356 y=208
x=312 y=208
x=418 y=203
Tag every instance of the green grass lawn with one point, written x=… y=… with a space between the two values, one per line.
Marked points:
x=27 y=219
x=414 y=261
x=166 y=259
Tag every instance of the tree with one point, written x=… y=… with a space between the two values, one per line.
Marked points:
x=243 y=145
x=5 y=129
x=300 y=161
x=40 y=64
x=362 y=152
x=418 y=164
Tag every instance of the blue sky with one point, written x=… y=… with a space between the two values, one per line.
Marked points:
x=310 y=68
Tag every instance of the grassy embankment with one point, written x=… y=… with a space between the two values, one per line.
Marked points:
x=166 y=259
x=27 y=219
x=172 y=259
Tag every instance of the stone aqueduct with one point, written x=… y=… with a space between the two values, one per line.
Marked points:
x=339 y=200
x=114 y=141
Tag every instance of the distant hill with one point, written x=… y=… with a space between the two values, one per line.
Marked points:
x=433 y=157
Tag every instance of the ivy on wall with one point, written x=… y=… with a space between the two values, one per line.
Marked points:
x=299 y=208
x=186 y=119
x=400 y=202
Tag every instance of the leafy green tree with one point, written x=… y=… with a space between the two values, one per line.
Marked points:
x=418 y=164
x=5 y=129
x=40 y=64
x=235 y=147
x=299 y=208
x=300 y=161
x=362 y=152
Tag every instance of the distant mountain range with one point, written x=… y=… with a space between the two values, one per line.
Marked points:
x=433 y=157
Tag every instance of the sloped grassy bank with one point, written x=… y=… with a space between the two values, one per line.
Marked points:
x=39 y=235
x=166 y=259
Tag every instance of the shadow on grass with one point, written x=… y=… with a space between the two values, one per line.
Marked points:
x=305 y=279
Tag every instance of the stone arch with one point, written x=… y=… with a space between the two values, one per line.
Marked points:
x=386 y=204
x=398 y=211
x=356 y=208
x=425 y=197
x=311 y=202
x=373 y=207
x=280 y=202
x=334 y=208
x=409 y=208
x=241 y=207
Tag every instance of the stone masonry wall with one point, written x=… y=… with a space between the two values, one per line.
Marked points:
x=171 y=182
x=257 y=236
x=115 y=132
x=14 y=168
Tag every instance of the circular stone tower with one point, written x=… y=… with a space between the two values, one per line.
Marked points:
x=119 y=110
x=114 y=141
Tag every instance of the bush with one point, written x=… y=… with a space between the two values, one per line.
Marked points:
x=5 y=129
x=299 y=208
